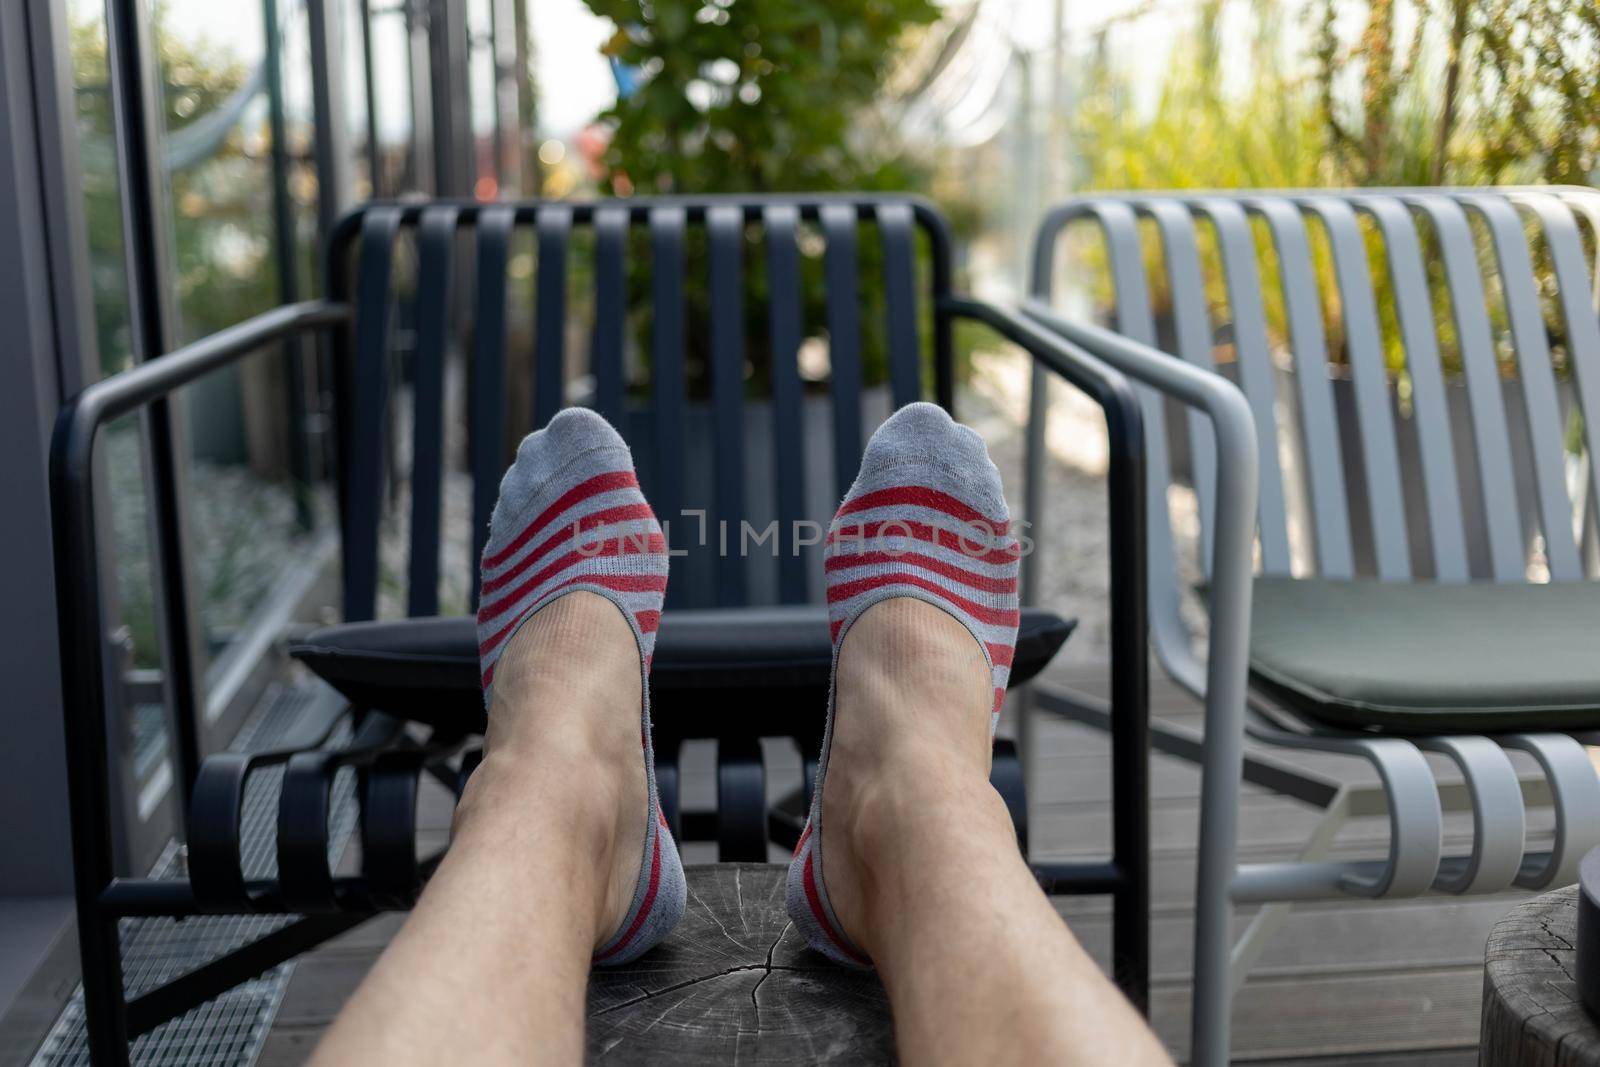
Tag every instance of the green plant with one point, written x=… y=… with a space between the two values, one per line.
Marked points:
x=1471 y=93
x=758 y=96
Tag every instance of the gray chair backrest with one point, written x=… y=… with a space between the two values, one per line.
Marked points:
x=1448 y=478
x=718 y=455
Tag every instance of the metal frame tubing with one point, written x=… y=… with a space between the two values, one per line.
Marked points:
x=1226 y=686
x=83 y=666
x=1127 y=876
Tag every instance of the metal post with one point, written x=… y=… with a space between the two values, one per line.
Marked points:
x=288 y=267
x=151 y=318
x=453 y=155
x=327 y=100
x=378 y=188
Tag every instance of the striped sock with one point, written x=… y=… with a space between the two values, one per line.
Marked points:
x=570 y=516
x=927 y=519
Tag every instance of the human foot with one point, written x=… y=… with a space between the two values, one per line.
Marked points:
x=571 y=519
x=922 y=580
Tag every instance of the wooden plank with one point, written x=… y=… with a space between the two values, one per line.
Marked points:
x=1399 y=1011
x=1345 y=938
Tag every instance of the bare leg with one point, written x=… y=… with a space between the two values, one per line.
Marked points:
x=923 y=867
x=492 y=965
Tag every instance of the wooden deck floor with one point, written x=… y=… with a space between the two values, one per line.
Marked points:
x=1387 y=983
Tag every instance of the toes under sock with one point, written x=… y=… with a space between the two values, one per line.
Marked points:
x=927 y=519
x=570 y=517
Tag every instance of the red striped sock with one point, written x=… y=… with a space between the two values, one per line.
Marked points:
x=926 y=519
x=571 y=517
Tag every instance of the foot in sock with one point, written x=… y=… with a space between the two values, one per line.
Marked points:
x=573 y=579
x=922 y=595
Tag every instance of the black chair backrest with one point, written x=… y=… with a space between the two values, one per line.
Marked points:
x=698 y=455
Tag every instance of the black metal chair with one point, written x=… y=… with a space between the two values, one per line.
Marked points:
x=743 y=652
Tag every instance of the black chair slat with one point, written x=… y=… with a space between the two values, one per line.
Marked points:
x=741 y=801
x=389 y=828
x=554 y=226
x=725 y=230
x=369 y=412
x=844 y=339
x=610 y=310
x=895 y=223
x=486 y=444
x=669 y=338
x=783 y=309
x=216 y=874
x=304 y=875
x=436 y=237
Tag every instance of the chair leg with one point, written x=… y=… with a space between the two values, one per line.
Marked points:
x=1271 y=917
x=105 y=1003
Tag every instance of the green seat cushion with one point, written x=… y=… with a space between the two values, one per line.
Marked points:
x=1425 y=658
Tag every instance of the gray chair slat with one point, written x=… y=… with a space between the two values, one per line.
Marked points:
x=1375 y=420
x=610 y=311
x=1481 y=373
x=1585 y=204
x=1330 y=513
x=1192 y=329
x=1414 y=308
x=1257 y=378
x=1574 y=286
x=553 y=226
x=1133 y=319
x=895 y=223
x=436 y=239
x=783 y=309
x=725 y=233
x=844 y=339
x=369 y=412
x=486 y=441
x=1537 y=378
x=668 y=339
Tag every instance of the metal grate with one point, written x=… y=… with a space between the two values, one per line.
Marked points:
x=229 y=1030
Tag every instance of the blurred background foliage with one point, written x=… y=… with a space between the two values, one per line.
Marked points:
x=757 y=96
x=1350 y=94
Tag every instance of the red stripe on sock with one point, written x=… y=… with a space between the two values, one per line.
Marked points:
x=1001 y=655
x=621 y=583
x=644 y=906
x=810 y=880
x=648 y=621
x=981 y=582
x=921 y=496
x=990 y=616
x=999 y=699
x=805 y=835
x=600 y=483
x=625 y=513
x=968 y=546
x=627 y=545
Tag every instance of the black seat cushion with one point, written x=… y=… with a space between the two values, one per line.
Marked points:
x=1428 y=658
x=749 y=663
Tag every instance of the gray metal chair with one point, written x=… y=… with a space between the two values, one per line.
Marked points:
x=1370 y=594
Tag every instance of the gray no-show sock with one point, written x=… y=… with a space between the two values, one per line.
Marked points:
x=925 y=519
x=571 y=517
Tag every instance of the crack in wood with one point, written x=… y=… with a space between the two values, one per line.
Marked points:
x=754 y=1003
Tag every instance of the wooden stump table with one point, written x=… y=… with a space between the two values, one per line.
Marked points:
x=735 y=983
x=1531 y=1011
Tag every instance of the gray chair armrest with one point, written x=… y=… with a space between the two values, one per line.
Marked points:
x=1226 y=683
